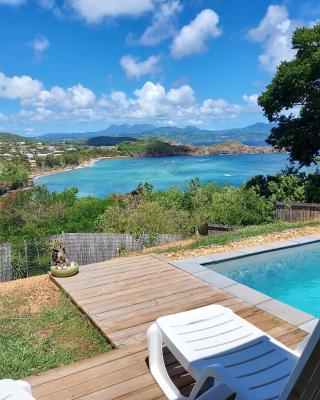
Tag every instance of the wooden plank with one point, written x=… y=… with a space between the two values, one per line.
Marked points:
x=97 y=281
x=117 y=269
x=122 y=298
x=140 y=296
x=151 y=392
x=135 y=287
x=105 y=288
x=63 y=371
x=157 y=312
x=95 y=373
x=172 y=298
x=98 y=383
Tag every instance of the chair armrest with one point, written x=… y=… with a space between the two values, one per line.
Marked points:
x=220 y=374
x=301 y=346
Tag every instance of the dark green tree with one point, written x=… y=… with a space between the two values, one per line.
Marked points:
x=296 y=86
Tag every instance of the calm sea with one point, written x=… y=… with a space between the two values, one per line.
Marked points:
x=123 y=175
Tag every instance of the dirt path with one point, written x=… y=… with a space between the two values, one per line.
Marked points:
x=253 y=241
x=29 y=295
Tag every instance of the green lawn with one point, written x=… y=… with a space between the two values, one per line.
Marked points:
x=33 y=342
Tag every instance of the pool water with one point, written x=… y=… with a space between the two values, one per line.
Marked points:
x=289 y=275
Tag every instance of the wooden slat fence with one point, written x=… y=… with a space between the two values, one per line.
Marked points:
x=28 y=257
x=88 y=248
x=5 y=262
x=217 y=229
x=297 y=211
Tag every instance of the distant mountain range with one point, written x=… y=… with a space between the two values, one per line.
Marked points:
x=256 y=133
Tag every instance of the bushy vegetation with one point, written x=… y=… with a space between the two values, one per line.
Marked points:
x=149 y=147
x=14 y=174
x=73 y=157
x=10 y=137
x=288 y=186
x=295 y=86
x=38 y=213
x=100 y=141
x=185 y=212
x=146 y=148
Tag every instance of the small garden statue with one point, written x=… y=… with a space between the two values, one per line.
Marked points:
x=60 y=264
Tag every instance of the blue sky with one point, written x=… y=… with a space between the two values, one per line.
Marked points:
x=77 y=65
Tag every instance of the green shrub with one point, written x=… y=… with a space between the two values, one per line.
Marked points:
x=147 y=217
x=288 y=186
x=240 y=207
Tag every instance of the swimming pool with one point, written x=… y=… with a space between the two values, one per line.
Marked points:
x=290 y=275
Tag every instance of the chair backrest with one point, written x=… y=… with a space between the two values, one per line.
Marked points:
x=304 y=382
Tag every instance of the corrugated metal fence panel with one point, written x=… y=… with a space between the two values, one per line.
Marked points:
x=297 y=211
x=88 y=248
x=5 y=262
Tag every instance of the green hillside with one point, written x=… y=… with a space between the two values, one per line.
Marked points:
x=10 y=137
x=108 y=140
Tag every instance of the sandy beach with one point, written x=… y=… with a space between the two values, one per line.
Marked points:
x=84 y=164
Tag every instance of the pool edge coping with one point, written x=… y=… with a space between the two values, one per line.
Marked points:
x=196 y=266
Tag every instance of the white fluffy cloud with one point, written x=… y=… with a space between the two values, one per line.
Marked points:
x=162 y=26
x=75 y=97
x=93 y=11
x=220 y=108
x=150 y=102
x=19 y=87
x=192 y=38
x=135 y=68
x=40 y=44
x=274 y=32
x=251 y=101
x=182 y=96
x=31 y=92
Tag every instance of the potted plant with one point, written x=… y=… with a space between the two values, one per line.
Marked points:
x=61 y=267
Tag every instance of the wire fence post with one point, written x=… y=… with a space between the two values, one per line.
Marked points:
x=37 y=249
x=26 y=256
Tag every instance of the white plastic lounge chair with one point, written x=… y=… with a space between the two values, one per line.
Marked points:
x=15 y=390
x=214 y=343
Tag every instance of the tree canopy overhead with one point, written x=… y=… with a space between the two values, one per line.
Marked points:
x=292 y=99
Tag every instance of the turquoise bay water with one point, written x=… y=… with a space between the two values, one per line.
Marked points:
x=123 y=175
x=290 y=275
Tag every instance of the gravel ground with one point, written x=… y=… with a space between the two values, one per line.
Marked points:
x=254 y=241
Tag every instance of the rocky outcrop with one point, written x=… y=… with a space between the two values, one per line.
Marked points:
x=224 y=148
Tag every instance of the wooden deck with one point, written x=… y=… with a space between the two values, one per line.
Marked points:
x=122 y=298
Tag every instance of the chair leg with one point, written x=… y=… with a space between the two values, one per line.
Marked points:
x=218 y=392
x=157 y=365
